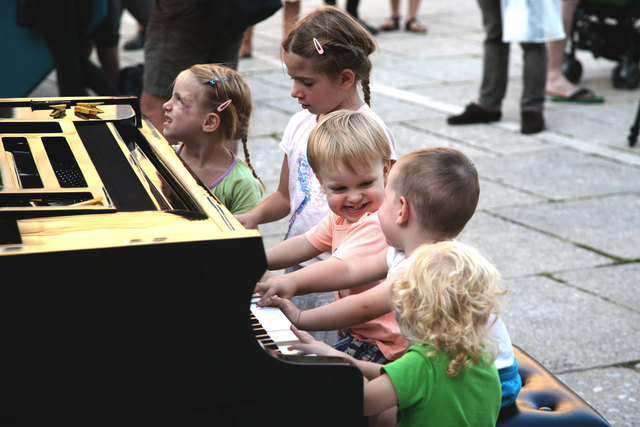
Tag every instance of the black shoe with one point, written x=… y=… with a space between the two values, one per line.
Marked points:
x=373 y=30
x=135 y=43
x=531 y=122
x=474 y=113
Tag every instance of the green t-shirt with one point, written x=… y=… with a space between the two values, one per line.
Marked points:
x=427 y=396
x=238 y=189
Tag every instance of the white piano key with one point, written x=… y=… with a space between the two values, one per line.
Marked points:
x=271 y=318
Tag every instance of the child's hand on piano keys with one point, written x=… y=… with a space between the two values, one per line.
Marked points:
x=276 y=285
x=309 y=345
x=287 y=307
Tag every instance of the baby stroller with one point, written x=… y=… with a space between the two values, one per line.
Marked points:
x=609 y=29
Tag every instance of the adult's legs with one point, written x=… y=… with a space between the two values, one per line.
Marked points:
x=63 y=27
x=141 y=11
x=106 y=37
x=393 y=22
x=412 y=23
x=291 y=15
x=495 y=66
x=534 y=75
x=247 y=43
x=557 y=83
x=534 y=78
x=352 y=9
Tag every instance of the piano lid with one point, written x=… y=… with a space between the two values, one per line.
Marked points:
x=73 y=180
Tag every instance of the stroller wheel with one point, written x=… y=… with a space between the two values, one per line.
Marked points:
x=625 y=75
x=572 y=69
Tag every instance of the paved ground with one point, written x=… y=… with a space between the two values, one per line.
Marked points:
x=559 y=212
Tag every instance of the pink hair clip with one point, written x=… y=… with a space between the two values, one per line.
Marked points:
x=318 y=46
x=224 y=105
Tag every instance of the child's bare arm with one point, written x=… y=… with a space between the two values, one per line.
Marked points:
x=344 y=313
x=379 y=394
x=309 y=345
x=290 y=252
x=323 y=276
x=349 y=311
x=274 y=207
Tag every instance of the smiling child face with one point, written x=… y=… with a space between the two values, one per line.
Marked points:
x=352 y=194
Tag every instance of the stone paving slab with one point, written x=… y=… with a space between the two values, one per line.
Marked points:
x=616 y=391
x=565 y=329
x=521 y=251
x=616 y=283
x=411 y=138
x=610 y=225
x=493 y=195
x=560 y=173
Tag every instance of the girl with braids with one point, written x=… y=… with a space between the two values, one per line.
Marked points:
x=445 y=306
x=327 y=56
x=208 y=112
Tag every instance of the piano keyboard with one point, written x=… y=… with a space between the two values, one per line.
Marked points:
x=272 y=328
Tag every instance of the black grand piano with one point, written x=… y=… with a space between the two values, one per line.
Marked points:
x=125 y=286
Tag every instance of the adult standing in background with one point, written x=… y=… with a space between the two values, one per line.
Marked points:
x=558 y=87
x=106 y=35
x=352 y=9
x=495 y=75
x=65 y=27
x=290 y=15
x=181 y=33
x=412 y=24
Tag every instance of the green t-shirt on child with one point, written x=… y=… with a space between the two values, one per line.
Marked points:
x=428 y=396
x=238 y=189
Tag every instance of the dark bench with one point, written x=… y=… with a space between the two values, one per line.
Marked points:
x=545 y=401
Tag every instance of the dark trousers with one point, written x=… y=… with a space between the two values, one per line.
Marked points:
x=495 y=72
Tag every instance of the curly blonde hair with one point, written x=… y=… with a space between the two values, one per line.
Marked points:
x=346 y=44
x=221 y=84
x=445 y=301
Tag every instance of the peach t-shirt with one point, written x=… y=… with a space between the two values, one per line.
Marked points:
x=360 y=239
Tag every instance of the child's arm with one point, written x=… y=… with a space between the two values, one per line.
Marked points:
x=323 y=276
x=274 y=207
x=290 y=252
x=309 y=345
x=343 y=313
x=379 y=392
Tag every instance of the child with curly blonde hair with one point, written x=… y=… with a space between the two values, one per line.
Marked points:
x=430 y=196
x=445 y=306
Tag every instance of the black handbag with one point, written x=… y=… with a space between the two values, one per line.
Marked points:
x=241 y=14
